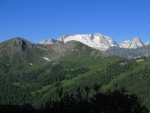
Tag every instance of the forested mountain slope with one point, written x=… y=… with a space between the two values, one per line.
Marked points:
x=73 y=70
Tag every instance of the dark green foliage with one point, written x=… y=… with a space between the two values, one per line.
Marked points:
x=109 y=102
x=27 y=108
x=51 y=81
x=56 y=69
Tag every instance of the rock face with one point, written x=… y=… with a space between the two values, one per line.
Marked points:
x=136 y=43
x=50 y=41
x=96 y=40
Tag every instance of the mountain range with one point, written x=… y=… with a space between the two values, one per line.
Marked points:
x=127 y=49
x=68 y=75
x=98 y=41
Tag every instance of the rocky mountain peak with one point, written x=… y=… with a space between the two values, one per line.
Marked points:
x=136 y=43
x=50 y=41
x=126 y=44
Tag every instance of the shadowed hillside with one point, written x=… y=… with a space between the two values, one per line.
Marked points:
x=110 y=102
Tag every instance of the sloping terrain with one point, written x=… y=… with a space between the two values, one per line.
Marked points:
x=73 y=68
x=20 y=79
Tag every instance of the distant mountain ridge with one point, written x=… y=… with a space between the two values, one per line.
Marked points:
x=134 y=44
x=50 y=41
x=96 y=40
x=99 y=41
x=27 y=52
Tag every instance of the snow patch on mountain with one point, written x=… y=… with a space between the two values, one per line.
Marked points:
x=31 y=64
x=47 y=59
x=96 y=40
x=126 y=44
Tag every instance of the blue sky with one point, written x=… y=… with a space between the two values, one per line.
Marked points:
x=36 y=20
